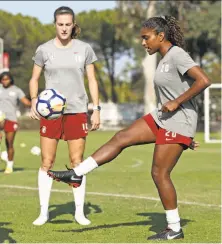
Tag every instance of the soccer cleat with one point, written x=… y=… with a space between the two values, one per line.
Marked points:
x=68 y=177
x=8 y=170
x=41 y=220
x=167 y=234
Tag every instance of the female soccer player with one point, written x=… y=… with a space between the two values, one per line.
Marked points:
x=9 y=97
x=64 y=60
x=171 y=126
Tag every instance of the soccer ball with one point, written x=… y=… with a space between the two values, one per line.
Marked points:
x=50 y=104
x=2 y=116
x=35 y=151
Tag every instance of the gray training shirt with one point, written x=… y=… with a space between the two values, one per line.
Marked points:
x=170 y=82
x=9 y=98
x=64 y=71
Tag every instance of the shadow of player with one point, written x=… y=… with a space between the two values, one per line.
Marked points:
x=69 y=208
x=14 y=169
x=5 y=232
x=157 y=221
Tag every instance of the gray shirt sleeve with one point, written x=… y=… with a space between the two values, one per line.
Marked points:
x=20 y=93
x=90 y=55
x=38 y=57
x=183 y=61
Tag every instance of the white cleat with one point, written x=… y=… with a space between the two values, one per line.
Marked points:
x=82 y=220
x=41 y=220
x=8 y=170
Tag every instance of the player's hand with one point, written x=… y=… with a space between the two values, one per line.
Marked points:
x=170 y=106
x=194 y=145
x=33 y=113
x=95 y=120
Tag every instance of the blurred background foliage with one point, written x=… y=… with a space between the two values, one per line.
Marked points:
x=115 y=37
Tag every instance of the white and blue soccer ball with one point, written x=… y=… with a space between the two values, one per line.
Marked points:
x=50 y=104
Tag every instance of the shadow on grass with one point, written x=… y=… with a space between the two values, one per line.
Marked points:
x=69 y=208
x=14 y=169
x=156 y=222
x=4 y=233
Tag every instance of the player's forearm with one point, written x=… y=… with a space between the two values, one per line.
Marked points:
x=26 y=102
x=33 y=88
x=94 y=92
x=197 y=87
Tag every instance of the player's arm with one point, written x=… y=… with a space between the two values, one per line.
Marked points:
x=33 y=89
x=201 y=82
x=94 y=92
x=25 y=101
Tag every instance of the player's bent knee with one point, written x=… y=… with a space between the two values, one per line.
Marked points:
x=120 y=138
x=47 y=164
x=159 y=174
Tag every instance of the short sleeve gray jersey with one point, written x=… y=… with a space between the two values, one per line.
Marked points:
x=170 y=82
x=9 y=99
x=64 y=71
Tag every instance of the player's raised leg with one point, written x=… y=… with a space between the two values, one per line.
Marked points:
x=76 y=150
x=137 y=133
x=48 y=153
x=164 y=159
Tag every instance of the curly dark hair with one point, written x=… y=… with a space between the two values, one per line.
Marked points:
x=66 y=10
x=6 y=73
x=170 y=26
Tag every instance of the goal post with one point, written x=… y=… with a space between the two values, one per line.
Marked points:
x=212 y=113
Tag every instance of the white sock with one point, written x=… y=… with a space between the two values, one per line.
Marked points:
x=10 y=164
x=45 y=185
x=79 y=198
x=173 y=219
x=86 y=166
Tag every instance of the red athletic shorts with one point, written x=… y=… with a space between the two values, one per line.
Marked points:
x=164 y=136
x=10 y=126
x=67 y=127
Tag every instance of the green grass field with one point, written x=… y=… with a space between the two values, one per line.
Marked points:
x=122 y=201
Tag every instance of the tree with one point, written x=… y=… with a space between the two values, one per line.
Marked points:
x=21 y=36
x=102 y=29
x=136 y=10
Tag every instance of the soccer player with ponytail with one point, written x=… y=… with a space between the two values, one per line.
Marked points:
x=171 y=126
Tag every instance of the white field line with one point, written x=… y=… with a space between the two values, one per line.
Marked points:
x=138 y=162
x=113 y=195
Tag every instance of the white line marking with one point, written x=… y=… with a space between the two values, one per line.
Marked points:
x=114 y=195
x=137 y=163
x=25 y=171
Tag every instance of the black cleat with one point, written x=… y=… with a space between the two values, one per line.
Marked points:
x=167 y=234
x=69 y=176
